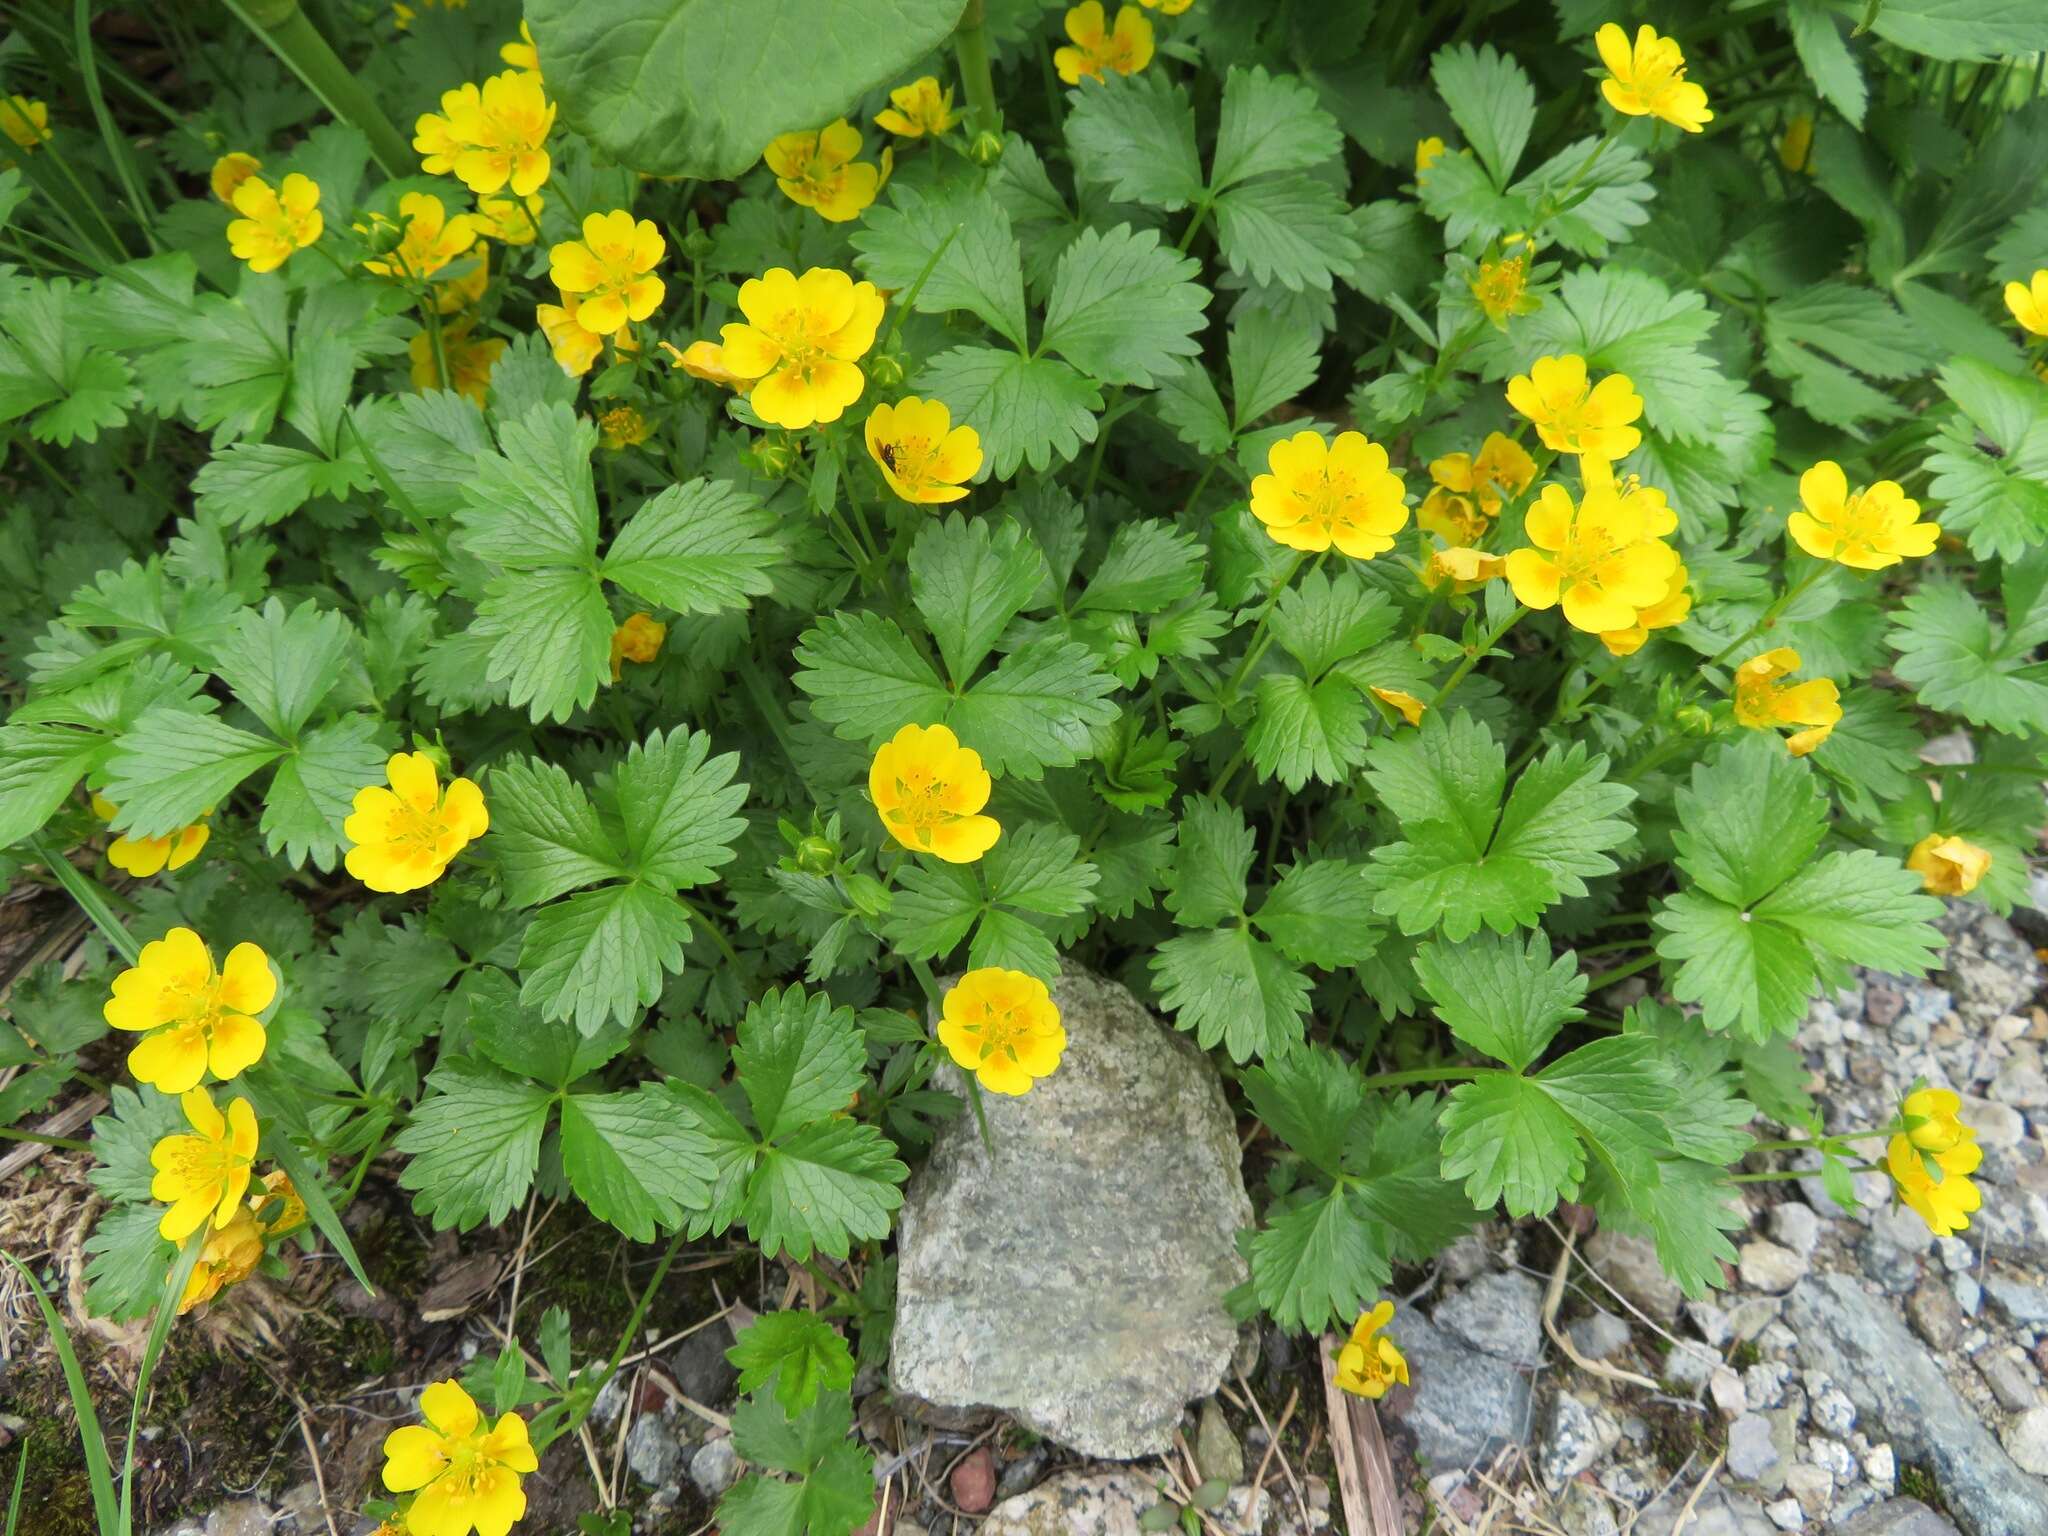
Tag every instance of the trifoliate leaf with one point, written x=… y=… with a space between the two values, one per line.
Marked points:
x=1492 y=102
x=1213 y=855
x=1962 y=661
x=39 y=767
x=1308 y=1099
x=472 y=1144
x=1320 y=913
x=1817 y=35
x=1503 y=997
x=1318 y=1263
x=1511 y=1143
x=546 y=834
x=1123 y=309
x=174 y=767
x=866 y=678
x=636 y=1159
x=1289 y=230
x=968 y=230
x=550 y=632
x=830 y=1184
x=1039 y=709
x=1272 y=360
x=1320 y=620
x=1270 y=124
x=1231 y=988
x=525 y=1042
x=534 y=502
x=700 y=547
x=1608 y=196
x=969 y=577
x=1027 y=410
x=1149 y=565
x=601 y=954
x=1302 y=731
x=281 y=667
x=676 y=806
x=799 y=1351
x=1135 y=135
x=314 y=789
x=798 y=1058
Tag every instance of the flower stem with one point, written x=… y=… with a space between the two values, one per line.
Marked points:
x=1622 y=972
x=1426 y=1075
x=283 y=27
x=92 y=900
x=1472 y=656
x=970 y=49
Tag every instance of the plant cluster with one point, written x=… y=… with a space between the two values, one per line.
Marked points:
x=647 y=618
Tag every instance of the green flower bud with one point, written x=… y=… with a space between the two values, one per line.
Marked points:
x=697 y=245
x=886 y=369
x=816 y=856
x=986 y=148
x=1695 y=721
x=773 y=456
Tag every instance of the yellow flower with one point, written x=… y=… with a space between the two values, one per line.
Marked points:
x=1948 y=865
x=492 y=136
x=406 y=835
x=229 y=172
x=2028 y=302
x=1461 y=569
x=462 y=1476
x=638 y=639
x=817 y=170
x=801 y=339
x=1931 y=1120
x=203 y=1177
x=1004 y=1027
x=1427 y=152
x=1866 y=531
x=1648 y=79
x=192 y=1017
x=1669 y=610
x=1096 y=48
x=430 y=240
x=470 y=360
x=1502 y=471
x=25 y=122
x=1795 y=144
x=1763 y=704
x=1572 y=419
x=461 y=285
x=1369 y=1363
x=1408 y=706
x=917 y=109
x=923 y=456
x=622 y=427
x=513 y=220
x=275 y=221
x=522 y=54
x=1167 y=7
x=929 y=791
x=1936 y=1185
x=290 y=1209
x=610 y=270
x=1602 y=560
x=574 y=346
x=229 y=1257
x=706 y=360
x=1321 y=493
x=1502 y=288
x=146 y=856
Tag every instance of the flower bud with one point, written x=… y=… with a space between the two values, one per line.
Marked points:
x=817 y=856
x=1695 y=721
x=886 y=369
x=697 y=245
x=986 y=148
x=772 y=456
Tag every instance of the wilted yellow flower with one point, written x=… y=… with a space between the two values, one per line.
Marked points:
x=1320 y=494
x=513 y=220
x=917 y=109
x=462 y=1476
x=230 y=1256
x=575 y=346
x=1935 y=1185
x=1602 y=559
x=923 y=456
x=470 y=360
x=1867 y=531
x=192 y=1017
x=622 y=427
x=1461 y=569
x=1762 y=703
x=229 y=172
x=1671 y=609
x=1427 y=152
x=817 y=170
x=1569 y=417
x=802 y=339
x=1096 y=48
x=611 y=270
x=638 y=639
x=1795 y=144
x=1948 y=865
x=2028 y=302
x=406 y=835
x=1369 y=1363
x=706 y=360
x=1469 y=491
x=146 y=856
x=1501 y=288
x=1004 y=1027
x=275 y=221
x=24 y=121
x=278 y=1196
x=929 y=791
x=1408 y=706
x=203 y=1176
x=522 y=54
x=1648 y=79
x=492 y=136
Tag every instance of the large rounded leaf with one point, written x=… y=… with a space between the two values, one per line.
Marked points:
x=699 y=87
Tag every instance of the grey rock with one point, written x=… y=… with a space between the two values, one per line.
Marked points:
x=2013 y=1224
x=1968 y=1292
x=1075 y=1504
x=299 y=1509
x=1813 y=1486
x=1764 y=1383
x=1772 y=1269
x=1711 y=1322
x=1631 y=1266
x=1501 y=1314
x=1751 y=1453
x=1864 y=1346
x=700 y=1367
x=1752 y=1315
x=653 y=1451
x=1954 y=1253
x=1245 y=1511
x=1936 y=1317
x=1725 y=1386
x=1599 y=1334
x=1088 y=1262
x=239 y=1517
x=1689 y=1366
x=1881 y=1466
x=1897 y=1517
x=1832 y=1412
x=1464 y=1403
x=2010 y=1377
x=2026 y=1440
x=2025 y=1304
x=1217 y=1452
x=2021 y=1078
x=1999 y=1127
x=715 y=1467
x=1015 y=1478
x=1467 y=1258
x=1839 y=1460
x=1991 y=969
x=1786 y=1515
x=1574 y=1437
x=1794 y=1224
x=1720 y=1512
x=1582 y=1512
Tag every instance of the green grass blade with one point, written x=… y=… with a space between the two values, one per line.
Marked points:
x=92 y=1439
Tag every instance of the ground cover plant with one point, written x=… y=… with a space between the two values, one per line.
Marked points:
x=591 y=595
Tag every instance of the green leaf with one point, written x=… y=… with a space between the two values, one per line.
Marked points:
x=1038 y=868
x=978 y=266
x=1963 y=662
x=1320 y=913
x=1135 y=135
x=39 y=767
x=1318 y=1263
x=866 y=678
x=1123 y=309
x=832 y=1183
x=936 y=906
x=550 y=632
x=1322 y=620
x=1039 y=709
x=314 y=789
x=1289 y=230
x=799 y=1351
x=637 y=1159
x=546 y=834
x=677 y=805
x=1619 y=1094
x=1308 y=1099
x=175 y=766
x=798 y=1058
x=969 y=578
x=1817 y=35
x=1213 y=856
x=1270 y=124
x=534 y=503
x=1961 y=29
x=472 y=1144
x=1149 y=565
x=1273 y=358
x=281 y=667
x=1492 y=102
x=1302 y=731
x=1687 y=1213
x=1231 y=988
x=126 y=1261
x=701 y=547
x=1511 y=1142
x=1609 y=196
x=522 y=1041
x=1036 y=410
x=1395 y=1163
x=601 y=954
x=1503 y=997
x=684 y=87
